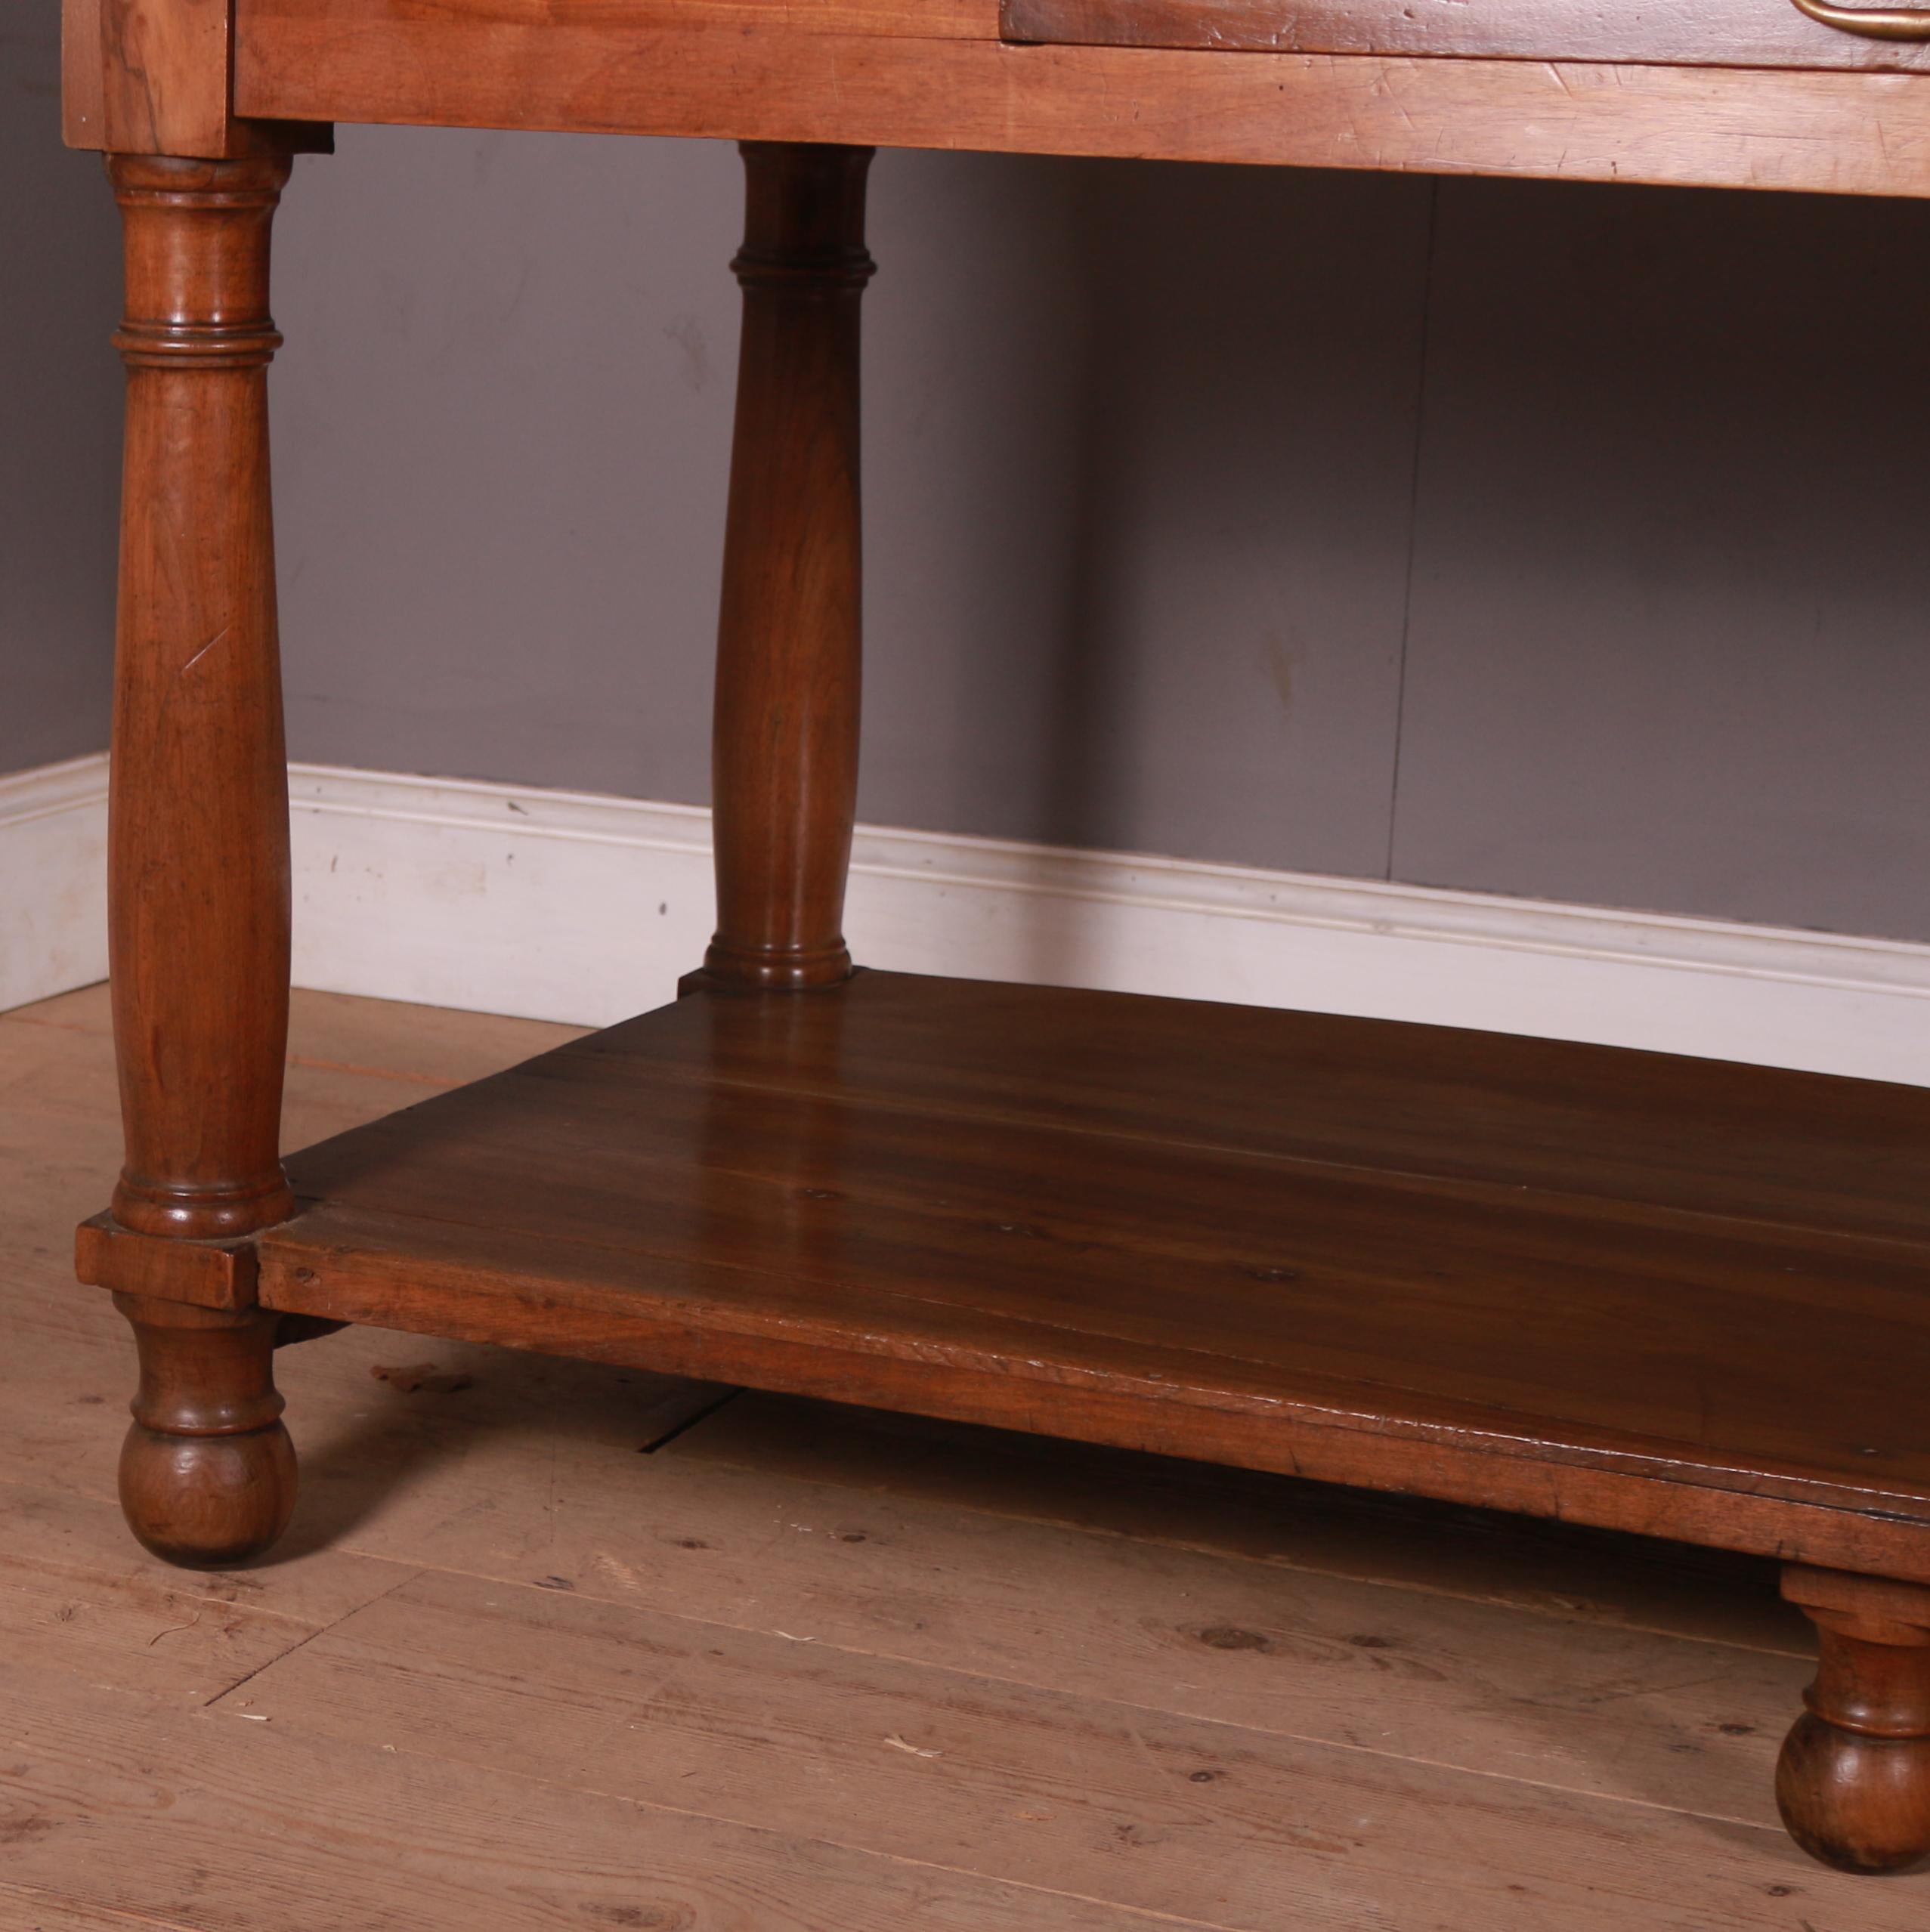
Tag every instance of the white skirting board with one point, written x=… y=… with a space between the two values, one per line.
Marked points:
x=53 y=880
x=562 y=905
x=559 y=905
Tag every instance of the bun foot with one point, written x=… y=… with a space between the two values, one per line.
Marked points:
x=208 y=1472
x=1853 y=1783
x=207 y=1502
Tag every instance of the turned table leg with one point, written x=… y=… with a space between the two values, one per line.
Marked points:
x=198 y=839
x=1853 y=1780
x=785 y=751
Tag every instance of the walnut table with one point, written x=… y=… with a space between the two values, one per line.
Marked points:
x=1679 y=1297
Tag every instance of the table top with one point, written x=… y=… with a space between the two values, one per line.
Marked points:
x=1736 y=93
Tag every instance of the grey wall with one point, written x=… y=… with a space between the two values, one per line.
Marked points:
x=1557 y=541
x=1562 y=542
x=59 y=414
x=1669 y=642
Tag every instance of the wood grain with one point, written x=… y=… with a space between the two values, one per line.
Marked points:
x=83 y=81
x=211 y=1273
x=951 y=1234
x=1612 y=1130
x=1568 y=1679
x=445 y=1640
x=155 y=77
x=1834 y=133
x=1564 y=1322
x=1076 y=1796
x=179 y=1796
x=915 y=19
x=41 y=1909
x=945 y=1576
x=1645 y=1365
x=1853 y=1783
x=165 y=66
x=77 y=1597
x=1582 y=1574
x=207 y=1471
x=789 y=634
x=198 y=813
x=1711 y=33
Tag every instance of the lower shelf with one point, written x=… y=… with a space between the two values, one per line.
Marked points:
x=1672 y=1296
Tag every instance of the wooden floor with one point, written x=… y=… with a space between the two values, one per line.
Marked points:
x=801 y=1669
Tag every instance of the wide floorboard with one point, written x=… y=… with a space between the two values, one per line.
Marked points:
x=555 y=1645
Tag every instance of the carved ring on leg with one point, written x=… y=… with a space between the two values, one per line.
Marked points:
x=208 y=1472
x=1853 y=1783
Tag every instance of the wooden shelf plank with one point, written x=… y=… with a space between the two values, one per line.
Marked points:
x=1661 y=1294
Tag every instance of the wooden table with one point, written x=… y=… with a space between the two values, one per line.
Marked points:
x=1665 y=1295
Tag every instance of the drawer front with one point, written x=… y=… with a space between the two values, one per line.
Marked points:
x=1715 y=33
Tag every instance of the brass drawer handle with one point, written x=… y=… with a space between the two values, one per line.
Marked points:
x=1875 y=23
